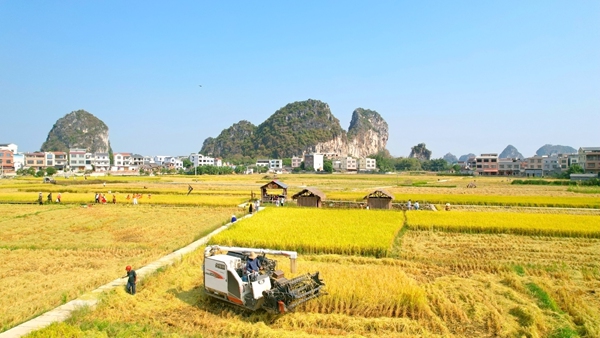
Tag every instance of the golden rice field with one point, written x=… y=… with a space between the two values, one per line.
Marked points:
x=505 y=222
x=471 y=199
x=307 y=230
x=424 y=296
x=121 y=198
x=51 y=254
x=511 y=272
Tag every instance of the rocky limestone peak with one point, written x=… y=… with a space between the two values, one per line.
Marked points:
x=236 y=139
x=78 y=129
x=549 y=150
x=302 y=127
x=451 y=159
x=464 y=158
x=367 y=134
x=420 y=152
x=511 y=152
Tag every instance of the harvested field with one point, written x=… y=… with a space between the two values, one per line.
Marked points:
x=52 y=254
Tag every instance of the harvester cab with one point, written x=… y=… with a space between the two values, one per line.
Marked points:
x=225 y=278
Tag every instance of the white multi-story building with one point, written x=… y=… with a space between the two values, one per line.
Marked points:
x=275 y=164
x=101 y=162
x=159 y=159
x=367 y=164
x=313 y=162
x=148 y=160
x=199 y=160
x=348 y=164
x=9 y=146
x=137 y=160
x=77 y=159
x=122 y=161
x=262 y=163
x=19 y=161
x=172 y=162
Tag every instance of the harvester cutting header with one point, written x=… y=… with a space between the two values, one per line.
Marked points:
x=246 y=277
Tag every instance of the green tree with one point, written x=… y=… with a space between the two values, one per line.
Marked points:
x=575 y=169
x=456 y=168
x=384 y=161
x=328 y=166
x=438 y=164
x=287 y=161
x=240 y=169
x=50 y=171
x=187 y=163
x=31 y=171
x=408 y=164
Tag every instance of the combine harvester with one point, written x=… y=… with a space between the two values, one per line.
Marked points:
x=225 y=278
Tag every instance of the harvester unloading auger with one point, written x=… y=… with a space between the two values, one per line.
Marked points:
x=225 y=278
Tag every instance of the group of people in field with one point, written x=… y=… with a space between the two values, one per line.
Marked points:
x=50 y=200
x=101 y=198
x=135 y=197
x=412 y=206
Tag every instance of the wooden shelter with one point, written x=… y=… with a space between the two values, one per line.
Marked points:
x=310 y=197
x=267 y=197
x=379 y=199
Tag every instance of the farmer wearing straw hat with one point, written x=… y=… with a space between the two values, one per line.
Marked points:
x=252 y=264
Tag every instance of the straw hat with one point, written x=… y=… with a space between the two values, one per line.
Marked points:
x=252 y=255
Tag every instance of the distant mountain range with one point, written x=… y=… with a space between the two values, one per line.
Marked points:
x=550 y=149
x=301 y=127
x=511 y=152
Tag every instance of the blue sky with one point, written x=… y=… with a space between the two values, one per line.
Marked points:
x=461 y=76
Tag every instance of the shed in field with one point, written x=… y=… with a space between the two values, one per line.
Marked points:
x=379 y=199
x=310 y=197
x=270 y=197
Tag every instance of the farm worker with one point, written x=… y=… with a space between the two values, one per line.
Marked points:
x=131 y=280
x=408 y=205
x=233 y=218
x=134 y=200
x=128 y=197
x=447 y=206
x=40 y=199
x=252 y=265
x=58 y=197
x=114 y=199
x=416 y=205
x=50 y=198
x=104 y=184
x=97 y=198
x=250 y=208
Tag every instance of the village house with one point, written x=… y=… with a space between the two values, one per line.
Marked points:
x=486 y=164
x=589 y=157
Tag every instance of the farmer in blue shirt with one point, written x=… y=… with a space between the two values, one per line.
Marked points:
x=131 y=280
x=252 y=266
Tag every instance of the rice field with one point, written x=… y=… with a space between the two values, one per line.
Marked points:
x=51 y=254
x=506 y=222
x=347 y=232
x=510 y=272
x=423 y=294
